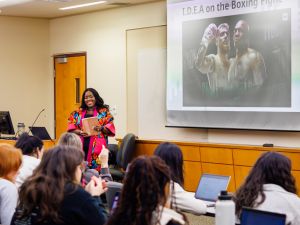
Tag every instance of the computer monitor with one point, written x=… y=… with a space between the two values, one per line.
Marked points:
x=258 y=217
x=6 y=126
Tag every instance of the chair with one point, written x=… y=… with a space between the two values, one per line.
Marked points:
x=112 y=189
x=124 y=156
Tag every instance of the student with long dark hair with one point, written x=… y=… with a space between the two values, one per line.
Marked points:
x=92 y=105
x=53 y=194
x=270 y=186
x=32 y=150
x=173 y=157
x=145 y=195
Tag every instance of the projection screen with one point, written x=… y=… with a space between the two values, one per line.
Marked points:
x=234 y=64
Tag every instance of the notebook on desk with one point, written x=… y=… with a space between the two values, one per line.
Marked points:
x=257 y=217
x=210 y=186
x=40 y=132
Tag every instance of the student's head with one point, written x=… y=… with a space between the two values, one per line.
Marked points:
x=270 y=168
x=146 y=187
x=30 y=145
x=241 y=34
x=60 y=166
x=173 y=157
x=10 y=162
x=70 y=139
x=91 y=98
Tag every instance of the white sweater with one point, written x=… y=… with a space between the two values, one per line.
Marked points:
x=280 y=201
x=8 y=201
x=29 y=163
x=187 y=202
x=167 y=215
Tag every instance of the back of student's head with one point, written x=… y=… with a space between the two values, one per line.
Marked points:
x=144 y=190
x=45 y=189
x=10 y=161
x=270 y=168
x=70 y=139
x=173 y=157
x=29 y=144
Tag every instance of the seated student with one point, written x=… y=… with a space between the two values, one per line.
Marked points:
x=53 y=194
x=32 y=149
x=10 y=162
x=185 y=201
x=72 y=139
x=270 y=186
x=145 y=195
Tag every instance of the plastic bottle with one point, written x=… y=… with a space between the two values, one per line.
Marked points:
x=225 y=209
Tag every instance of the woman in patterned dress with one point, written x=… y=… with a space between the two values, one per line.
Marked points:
x=92 y=105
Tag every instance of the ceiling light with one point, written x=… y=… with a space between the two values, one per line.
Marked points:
x=82 y=5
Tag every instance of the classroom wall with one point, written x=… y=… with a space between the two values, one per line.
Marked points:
x=26 y=83
x=26 y=69
x=103 y=36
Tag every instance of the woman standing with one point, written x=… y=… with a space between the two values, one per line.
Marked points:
x=10 y=162
x=92 y=105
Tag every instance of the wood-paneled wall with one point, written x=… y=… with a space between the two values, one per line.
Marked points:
x=47 y=144
x=222 y=159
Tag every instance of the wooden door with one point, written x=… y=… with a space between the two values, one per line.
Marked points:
x=70 y=82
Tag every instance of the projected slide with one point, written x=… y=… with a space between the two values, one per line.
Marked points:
x=239 y=61
x=234 y=64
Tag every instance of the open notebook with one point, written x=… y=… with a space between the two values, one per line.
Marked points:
x=210 y=186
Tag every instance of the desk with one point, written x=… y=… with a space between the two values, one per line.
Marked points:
x=47 y=143
x=211 y=211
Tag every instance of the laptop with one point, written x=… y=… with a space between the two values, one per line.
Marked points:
x=258 y=217
x=210 y=186
x=40 y=132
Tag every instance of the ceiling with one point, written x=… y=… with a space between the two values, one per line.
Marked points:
x=50 y=8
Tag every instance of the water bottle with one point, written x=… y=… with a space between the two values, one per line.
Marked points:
x=21 y=129
x=225 y=209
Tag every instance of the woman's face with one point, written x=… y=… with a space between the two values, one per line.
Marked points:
x=89 y=99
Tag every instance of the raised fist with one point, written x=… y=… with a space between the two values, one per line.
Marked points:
x=210 y=33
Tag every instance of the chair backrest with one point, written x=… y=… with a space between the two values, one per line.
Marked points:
x=112 y=189
x=126 y=151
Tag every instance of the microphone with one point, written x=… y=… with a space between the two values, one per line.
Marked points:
x=30 y=128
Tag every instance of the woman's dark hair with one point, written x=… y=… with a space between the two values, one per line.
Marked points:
x=143 y=191
x=270 y=168
x=173 y=157
x=99 y=101
x=28 y=144
x=44 y=190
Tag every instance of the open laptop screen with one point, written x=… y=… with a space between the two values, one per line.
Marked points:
x=258 y=217
x=210 y=186
x=40 y=132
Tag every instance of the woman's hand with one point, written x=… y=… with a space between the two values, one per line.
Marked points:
x=95 y=187
x=98 y=128
x=81 y=133
x=103 y=157
x=84 y=134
